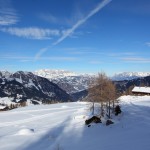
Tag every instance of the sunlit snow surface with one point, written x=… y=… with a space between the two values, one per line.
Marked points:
x=61 y=126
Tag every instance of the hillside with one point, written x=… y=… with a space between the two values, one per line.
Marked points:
x=61 y=126
x=122 y=87
x=126 y=86
x=25 y=85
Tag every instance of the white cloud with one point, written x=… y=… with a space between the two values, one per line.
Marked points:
x=32 y=32
x=135 y=60
x=8 y=14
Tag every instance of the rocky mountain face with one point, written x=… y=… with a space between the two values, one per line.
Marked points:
x=68 y=81
x=26 y=85
x=129 y=75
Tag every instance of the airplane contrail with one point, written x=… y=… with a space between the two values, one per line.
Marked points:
x=76 y=25
x=80 y=22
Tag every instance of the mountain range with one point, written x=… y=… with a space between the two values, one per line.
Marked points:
x=60 y=85
x=129 y=75
x=30 y=86
x=69 y=81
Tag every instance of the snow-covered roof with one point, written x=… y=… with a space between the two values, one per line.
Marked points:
x=2 y=107
x=141 y=89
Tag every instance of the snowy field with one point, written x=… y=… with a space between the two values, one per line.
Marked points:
x=61 y=127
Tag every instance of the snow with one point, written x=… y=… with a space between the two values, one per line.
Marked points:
x=129 y=75
x=141 y=89
x=61 y=126
x=6 y=101
x=25 y=132
x=19 y=80
x=2 y=107
x=52 y=74
x=5 y=73
x=69 y=81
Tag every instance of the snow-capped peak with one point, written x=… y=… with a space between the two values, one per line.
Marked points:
x=52 y=74
x=5 y=73
x=69 y=81
x=129 y=75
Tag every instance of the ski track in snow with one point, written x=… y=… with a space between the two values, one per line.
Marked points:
x=4 y=124
x=27 y=111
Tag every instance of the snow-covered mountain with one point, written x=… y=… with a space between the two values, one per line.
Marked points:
x=54 y=74
x=69 y=81
x=129 y=75
x=5 y=73
x=30 y=86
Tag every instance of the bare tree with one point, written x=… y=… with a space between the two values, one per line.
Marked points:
x=102 y=90
x=110 y=96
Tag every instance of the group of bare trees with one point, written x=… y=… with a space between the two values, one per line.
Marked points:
x=103 y=91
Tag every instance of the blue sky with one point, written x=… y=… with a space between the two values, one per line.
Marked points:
x=86 y=36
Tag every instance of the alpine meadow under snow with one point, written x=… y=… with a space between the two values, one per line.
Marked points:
x=62 y=127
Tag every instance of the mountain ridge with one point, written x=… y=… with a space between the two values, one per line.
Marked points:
x=30 y=86
x=69 y=81
x=129 y=75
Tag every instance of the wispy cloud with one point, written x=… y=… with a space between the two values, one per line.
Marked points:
x=148 y=44
x=27 y=59
x=41 y=51
x=121 y=54
x=82 y=21
x=135 y=60
x=32 y=32
x=95 y=62
x=50 y=18
x=8 y=15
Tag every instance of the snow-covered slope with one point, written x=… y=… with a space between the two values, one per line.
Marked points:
x=61 y=126
x=68 y=81
x=129 y=75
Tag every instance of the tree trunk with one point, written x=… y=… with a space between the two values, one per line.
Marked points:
x=93 y=109
x=109 y=109
x=102 y=109
x=113 y=106
x=107 y=106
